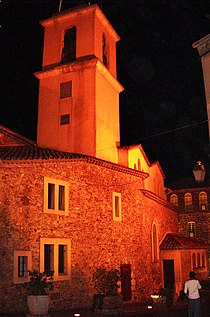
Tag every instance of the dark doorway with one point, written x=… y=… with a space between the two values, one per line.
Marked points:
x=168 y=271
x=126 y=281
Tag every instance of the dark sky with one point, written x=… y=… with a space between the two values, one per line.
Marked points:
x=163 y=106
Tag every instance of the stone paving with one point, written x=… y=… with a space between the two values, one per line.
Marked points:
x=178 y=309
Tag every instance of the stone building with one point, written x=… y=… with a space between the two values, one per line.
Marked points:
x=192 y=198
x=76 y=200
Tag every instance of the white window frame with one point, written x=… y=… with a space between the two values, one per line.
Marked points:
x=114 y=195
x=56 y=242
x=21 y=279
x=56 y=183
x=191 y=229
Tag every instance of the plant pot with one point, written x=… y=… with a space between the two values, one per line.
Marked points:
x=38 y=304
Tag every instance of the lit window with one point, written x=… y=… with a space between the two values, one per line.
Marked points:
x=191 y=229
x=203 y=203
x=155 y=249
x=65 y=89
x=64 y=119
x=188 y=200
x=116 y=206
x=22 y=264
x=55 y=255
x=174 y=199
x=56 y=196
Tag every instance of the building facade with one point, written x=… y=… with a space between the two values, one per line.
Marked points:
x=192 y=200
x=76 y=200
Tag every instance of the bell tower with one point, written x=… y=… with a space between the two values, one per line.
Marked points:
x=78 y=90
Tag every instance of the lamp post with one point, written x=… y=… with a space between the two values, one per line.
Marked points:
x=199 y=172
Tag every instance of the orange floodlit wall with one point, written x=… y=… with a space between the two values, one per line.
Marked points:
x=90 y=24
x=93 y=107
x=137 y=159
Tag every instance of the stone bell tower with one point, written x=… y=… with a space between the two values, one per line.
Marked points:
x=203 y=47
x=78 y=90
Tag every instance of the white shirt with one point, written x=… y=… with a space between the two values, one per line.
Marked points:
x=191 y=288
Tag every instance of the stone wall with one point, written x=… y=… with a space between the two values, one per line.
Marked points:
x=95 y=238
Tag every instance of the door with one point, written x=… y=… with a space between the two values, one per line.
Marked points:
x=168 y=272
x=126 y=281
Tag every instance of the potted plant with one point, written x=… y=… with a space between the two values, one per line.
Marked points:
x=38 y=299
x=106 y=284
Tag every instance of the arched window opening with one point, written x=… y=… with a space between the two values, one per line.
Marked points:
x=203 y=201
x=199 y=260
x=69 y=49
x=194 y=260
x=154 y=243
x=134 y=166
x=203 y=260
x=105 y=50
x=174 y=199
x=187 y=200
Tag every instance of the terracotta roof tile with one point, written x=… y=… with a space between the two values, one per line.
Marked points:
x=31 y=152
x=173 y=241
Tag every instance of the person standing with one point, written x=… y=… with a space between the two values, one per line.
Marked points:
x=191 y=289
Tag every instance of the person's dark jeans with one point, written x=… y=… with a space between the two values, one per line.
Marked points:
x=194 y=307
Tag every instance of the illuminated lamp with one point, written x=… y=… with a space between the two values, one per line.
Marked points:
x=199 y=172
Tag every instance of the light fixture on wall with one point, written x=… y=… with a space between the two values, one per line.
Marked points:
x=199 y=172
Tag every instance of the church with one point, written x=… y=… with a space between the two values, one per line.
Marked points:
x=77 y=200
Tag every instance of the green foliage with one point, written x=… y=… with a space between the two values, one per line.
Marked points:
x=106 y=281
x=39 y=283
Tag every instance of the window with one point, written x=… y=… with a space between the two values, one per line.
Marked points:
x=56 y=196
x=203 y=203
x=187 y=200
x=105 y=50
x=194 y=260
x=174 y=199
x=191 y=229
x=116 y=206
x=203 y=260
x=155 y=248
x=198 y=260
x=64 y=119
x=66 y=90
x=55 y=255
x=69 y=49
x=139 y=164
x=22 y=264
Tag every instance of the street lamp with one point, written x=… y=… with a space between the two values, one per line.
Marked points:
x=199 y=172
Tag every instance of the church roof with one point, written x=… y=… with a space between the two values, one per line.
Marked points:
x=174 y=241
x=14 y=154
x=16 y=148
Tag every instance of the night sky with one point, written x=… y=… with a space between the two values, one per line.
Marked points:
x=163 y=106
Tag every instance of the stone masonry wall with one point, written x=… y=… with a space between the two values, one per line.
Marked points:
x=95 y=238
